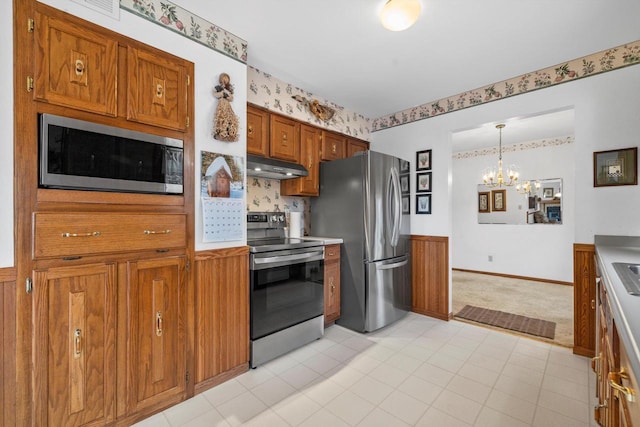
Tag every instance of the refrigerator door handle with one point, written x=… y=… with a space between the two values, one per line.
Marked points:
x=391 y=266
x=397 y=206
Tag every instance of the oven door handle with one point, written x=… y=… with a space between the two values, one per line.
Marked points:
x=308 y=256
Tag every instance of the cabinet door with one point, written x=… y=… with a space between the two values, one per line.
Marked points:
x=333 y=146
x=155 y=332
x=285 y=141
x=354 y=146
x=157 y=89
x=257 y=131
x=331 y=283
x=75 y=67
x=74 y=345
x=310 y=159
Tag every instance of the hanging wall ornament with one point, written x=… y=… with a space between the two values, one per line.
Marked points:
x=225 y=122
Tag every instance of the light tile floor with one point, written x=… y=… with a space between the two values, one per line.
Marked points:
x=417 y=372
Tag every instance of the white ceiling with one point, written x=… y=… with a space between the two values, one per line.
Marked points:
x=337 y=49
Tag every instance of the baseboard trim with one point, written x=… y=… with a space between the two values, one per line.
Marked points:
x=512 y=276
x=433 y=314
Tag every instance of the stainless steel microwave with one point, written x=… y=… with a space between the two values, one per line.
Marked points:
x=80 y=155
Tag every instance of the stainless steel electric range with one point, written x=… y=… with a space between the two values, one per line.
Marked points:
x=287 y=288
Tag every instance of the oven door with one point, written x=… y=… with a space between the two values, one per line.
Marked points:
x=287 y=288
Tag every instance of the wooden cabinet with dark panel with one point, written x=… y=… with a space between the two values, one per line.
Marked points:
x=310 y=159
x=331 y=283
x=257 y=131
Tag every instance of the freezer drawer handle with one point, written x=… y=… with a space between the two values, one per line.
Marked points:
x=390 y=266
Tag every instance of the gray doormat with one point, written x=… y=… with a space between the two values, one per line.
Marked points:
x=514 y=322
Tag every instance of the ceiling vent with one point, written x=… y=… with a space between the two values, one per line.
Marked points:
x=108 y=7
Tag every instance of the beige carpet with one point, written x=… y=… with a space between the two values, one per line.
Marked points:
x=547 y=301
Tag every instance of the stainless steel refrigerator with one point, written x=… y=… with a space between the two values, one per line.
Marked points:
x=361 y=202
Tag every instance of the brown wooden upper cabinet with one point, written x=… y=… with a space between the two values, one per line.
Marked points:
x=310 y=159
x=285 y=139
x=157 y=89
x=355 y=145
x=257 y=131
x=333 y=146
x=75 y=66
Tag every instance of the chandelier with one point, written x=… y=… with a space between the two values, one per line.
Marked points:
x=528 y=187
x=398 y=15
x=493 y=177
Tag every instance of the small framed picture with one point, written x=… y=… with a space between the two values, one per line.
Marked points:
x=423 y=160
x=404 y=184
x=547 y=193
x=404 y=166
x=406 y=208
x=423 y=203
x=499 y=200
x=615 y=167
x=423 y=182
x=483 y=202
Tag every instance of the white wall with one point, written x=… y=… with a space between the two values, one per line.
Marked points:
x=208 y=65
x=532 y=250
x=6 y=146
x=606 y=117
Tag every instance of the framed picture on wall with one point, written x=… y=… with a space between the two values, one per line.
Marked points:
x=547 y=193
x=406 y=208
x=423 y=182
x=404 y=184
x=423 y=160
x=615 y=167
x=423 y=203
x=483 y=202
x=404 y=166
x=499 y=200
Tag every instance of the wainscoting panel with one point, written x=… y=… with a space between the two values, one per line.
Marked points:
x=7 y=344
x=222 y=315
x=430 y=276
x=584 y=299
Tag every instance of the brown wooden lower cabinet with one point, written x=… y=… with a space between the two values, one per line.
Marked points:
x=430 y=276
x=222 y=315
x=584 y=299
x=331 y=283
x=615 y=378
x=74 y=345
x=152 y=371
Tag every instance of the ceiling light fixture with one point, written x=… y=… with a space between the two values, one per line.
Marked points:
x=398 y=15
x=492 y=177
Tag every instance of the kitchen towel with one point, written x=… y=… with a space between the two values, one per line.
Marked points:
x=295 y=224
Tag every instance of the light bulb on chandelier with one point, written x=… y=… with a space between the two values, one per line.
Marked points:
x=496 y=177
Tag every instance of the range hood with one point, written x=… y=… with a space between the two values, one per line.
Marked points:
x=273 y=169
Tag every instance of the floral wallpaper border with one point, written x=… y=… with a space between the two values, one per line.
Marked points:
x=275 y=95
x=183 y=22
x=530 y=145
x=600 y=62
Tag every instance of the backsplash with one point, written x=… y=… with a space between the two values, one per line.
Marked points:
x=263 y=195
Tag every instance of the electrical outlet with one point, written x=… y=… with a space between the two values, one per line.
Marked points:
x=490 y=258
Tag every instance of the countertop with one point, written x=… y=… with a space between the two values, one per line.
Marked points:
x=324 y=240
x=625 y=307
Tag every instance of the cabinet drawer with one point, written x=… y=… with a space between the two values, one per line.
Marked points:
x=70 y=234
x=331 y=252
